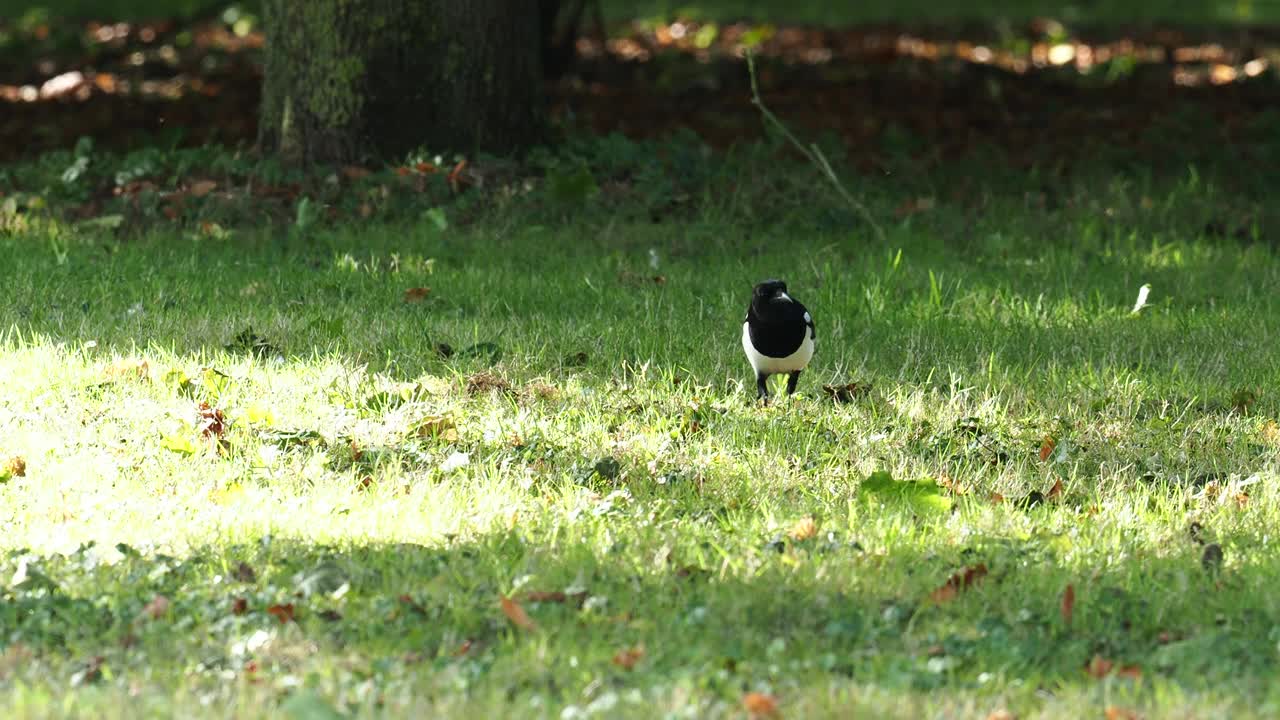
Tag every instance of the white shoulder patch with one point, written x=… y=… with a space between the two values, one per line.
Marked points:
x=807 y=319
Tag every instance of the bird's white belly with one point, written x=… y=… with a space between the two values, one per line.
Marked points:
x=772 y=365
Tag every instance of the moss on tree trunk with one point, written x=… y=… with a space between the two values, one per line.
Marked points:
x=346 y=79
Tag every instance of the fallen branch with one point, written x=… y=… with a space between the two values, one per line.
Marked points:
x=810 y=151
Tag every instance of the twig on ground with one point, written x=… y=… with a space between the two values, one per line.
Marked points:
x=810 y=151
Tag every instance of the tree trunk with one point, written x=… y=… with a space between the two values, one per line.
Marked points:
x=347 y=79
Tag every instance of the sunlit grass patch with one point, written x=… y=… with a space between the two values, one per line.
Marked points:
x=265 y=472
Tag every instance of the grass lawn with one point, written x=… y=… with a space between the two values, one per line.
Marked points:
x=254 y=482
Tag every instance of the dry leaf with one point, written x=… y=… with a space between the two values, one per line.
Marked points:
x=1001 y=714
x=1118 y=713
x=436 y=426
x=760 y=705
x=14 y=467
x=128 y=367
x=848 y=392
x=283 y=613
x=200 y=188
x=554 y=596
x=804 y=529
x=1271 y=433
x=157 y=608
x=355 y=172
x=628 y=657
x=244 y=573
x=1068 y=603
x=911 y=206
x=416 y=294
x=996 y=498
x=1046 y=447
x=455 y=177
x=517 y=615
x=239 y=606
x=1212 y=557
x=953 y=486
x=486 y=382
x=1099 y=667
x=212 y=422
x=958 y=582
x=1055 y=492
x=412 y=604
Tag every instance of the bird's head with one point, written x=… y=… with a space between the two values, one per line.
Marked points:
x=769 y=291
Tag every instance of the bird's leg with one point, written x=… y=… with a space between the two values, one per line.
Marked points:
x=762 y=389
x=792 y=381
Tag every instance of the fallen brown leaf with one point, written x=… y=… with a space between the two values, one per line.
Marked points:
x=1115 y=712
x=760 y=705
x=958 y=582
x=157 y=608
x=244 y=573
x=239 y=606
x=455 y=176
x=1001 y=714
x=847 y=392
x=486 y=382
x=355 y=172
x=804 y=529
x=464 y=648
x=953 y=486
x=283 y=613
x=200 y=188
x=1211 y=558
x=1055 y=492
x=628 y=657
x=14 y=467
x=436 y=426
x=1068 y=603
x=554 y=596
x=517 y=615
x=1099 y=667
x=212 y=422
x=128 y=367
x=416 y=294
x=1046 y=447
x=1271 y=433
x=413 y=605
x=911 y=206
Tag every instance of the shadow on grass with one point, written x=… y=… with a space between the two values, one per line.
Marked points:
x=430 y=616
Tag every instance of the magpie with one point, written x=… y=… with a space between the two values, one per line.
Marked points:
x=777 y=335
